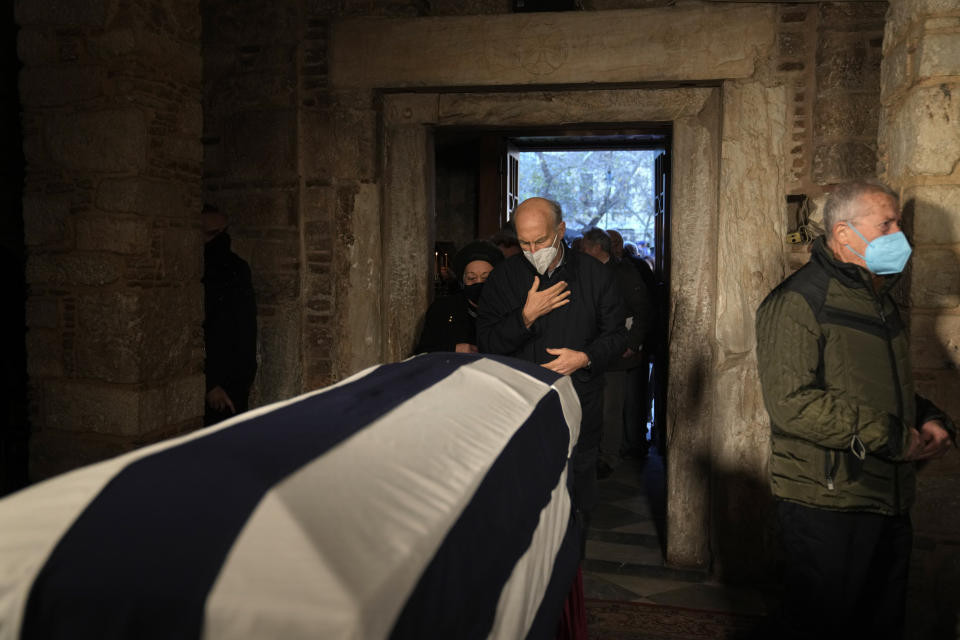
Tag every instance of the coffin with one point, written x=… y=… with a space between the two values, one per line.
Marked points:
x=422 y=499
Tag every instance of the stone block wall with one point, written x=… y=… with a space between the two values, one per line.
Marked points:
x=111 y=134
x=920 y=155
x=828 y=57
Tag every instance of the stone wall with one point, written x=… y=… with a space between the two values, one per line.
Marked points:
x=112 y=125
x=828 y=56
x=920 y=155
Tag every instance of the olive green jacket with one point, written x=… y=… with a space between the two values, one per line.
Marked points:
x=837 y=382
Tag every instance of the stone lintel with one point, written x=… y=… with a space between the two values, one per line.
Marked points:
x=552 y=48
x=552 y=107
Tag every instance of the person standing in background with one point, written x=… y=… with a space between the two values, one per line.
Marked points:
x=230 y=322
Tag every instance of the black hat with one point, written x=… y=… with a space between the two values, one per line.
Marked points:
x=476 y=250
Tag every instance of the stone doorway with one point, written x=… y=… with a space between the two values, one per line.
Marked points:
x=410 y=121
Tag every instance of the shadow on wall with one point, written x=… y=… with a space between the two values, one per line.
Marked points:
x=744 y=535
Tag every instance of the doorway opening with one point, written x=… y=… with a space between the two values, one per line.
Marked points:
x=613 y=179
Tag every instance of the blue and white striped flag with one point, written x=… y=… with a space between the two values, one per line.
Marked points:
x=423 y=499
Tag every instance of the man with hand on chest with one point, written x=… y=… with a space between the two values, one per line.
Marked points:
x=562 y=310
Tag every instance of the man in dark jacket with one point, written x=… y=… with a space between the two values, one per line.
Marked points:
x=230 y=322
x=846 y=425
x=621 y=401
x=560 y=309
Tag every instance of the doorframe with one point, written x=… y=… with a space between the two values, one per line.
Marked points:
x=408 y=122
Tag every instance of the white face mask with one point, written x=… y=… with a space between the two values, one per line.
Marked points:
x=542 y=258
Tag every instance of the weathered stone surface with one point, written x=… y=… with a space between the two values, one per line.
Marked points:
x=841 y=161
x=938 y=55
x=538 y=108
x=847 y=66
x=339 y=143
x=717 y=41
x=258 y=208
x=42 y=313
x=902 y=14
x=319 y=204
x=895 y=70
x=179 y=148
x=36 y=47
x=936 y=273
x=169 y=56
x=250 y=24
x=113 y=234
x=690 y=411
x=935 y=341
x=752 y=175
x=792 y=44
x=936 y=213
x=103 y=140
x=751 y=183
x=60 y=85
x=260 y=145
x=182 y=254
x=46 y=220
x=281 y=353
x=159 y=198
x=172 y=402
x=91 y=407
x=91 y=13
x=847 y=116
x=110 y=333
x=411 y=108
x=45 y=353
x=923 y=137
x=72 y=268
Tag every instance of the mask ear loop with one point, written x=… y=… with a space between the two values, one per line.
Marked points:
x=852 y=250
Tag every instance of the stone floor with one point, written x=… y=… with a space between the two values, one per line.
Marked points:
x=624 y=557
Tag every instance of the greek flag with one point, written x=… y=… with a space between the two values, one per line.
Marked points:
x=422 y=499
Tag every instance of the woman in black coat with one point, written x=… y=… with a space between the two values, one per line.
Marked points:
x=451 y=321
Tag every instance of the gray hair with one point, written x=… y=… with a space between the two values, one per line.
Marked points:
x=841 y=203
x=598 y=237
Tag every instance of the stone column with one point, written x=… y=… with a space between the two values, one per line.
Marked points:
x=112 y=126
x=920 y=156
x=751 y=229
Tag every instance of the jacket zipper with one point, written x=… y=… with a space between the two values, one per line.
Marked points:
x=899 y=391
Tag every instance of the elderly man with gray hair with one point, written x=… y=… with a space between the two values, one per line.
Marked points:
x=847 y=428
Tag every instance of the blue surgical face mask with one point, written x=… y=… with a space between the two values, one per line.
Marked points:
x=885 y=255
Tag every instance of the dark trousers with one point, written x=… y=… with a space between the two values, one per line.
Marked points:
x=583 y=465
x=845 y=573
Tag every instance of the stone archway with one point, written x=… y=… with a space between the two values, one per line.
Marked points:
x=407 y=223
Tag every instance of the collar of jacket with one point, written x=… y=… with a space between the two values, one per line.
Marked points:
x=850 y=275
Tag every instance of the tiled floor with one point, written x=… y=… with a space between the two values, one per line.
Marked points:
x=624 y=550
